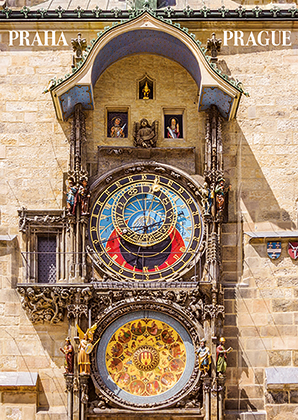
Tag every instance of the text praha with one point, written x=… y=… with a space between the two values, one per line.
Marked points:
x=254 y=39
x=39 y=39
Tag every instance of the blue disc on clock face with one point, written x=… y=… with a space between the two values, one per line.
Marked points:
x=145 y=227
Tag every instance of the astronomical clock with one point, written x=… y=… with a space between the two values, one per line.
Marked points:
x=146 y=227
x=133 y=256
x=146 y=230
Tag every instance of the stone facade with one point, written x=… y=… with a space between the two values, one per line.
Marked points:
x=260 y=160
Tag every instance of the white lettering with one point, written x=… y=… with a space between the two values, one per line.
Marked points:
x=263 y=38
x=238 y=35
x=24 y=36
x=260 y=38
x=286 y=38
x=273 y=38
x=47 y=37
x=37 y=39
x=227 y=36
x=251 y=38
x=13 y=35
x=62 y=39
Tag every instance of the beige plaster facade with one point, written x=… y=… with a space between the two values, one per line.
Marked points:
x=260 y=161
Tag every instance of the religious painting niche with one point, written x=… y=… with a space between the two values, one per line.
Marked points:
x=117 y=124
x=145 y=88
x=173 y=124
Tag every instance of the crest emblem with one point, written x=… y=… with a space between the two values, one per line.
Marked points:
x=293 y=250
x=146 y=358
x=273 y=250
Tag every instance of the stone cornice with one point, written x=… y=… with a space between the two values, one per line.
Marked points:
x=186 y=15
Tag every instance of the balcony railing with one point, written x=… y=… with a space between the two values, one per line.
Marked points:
x=68 y=267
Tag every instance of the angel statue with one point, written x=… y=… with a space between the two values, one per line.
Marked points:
x=145 y=135
x=85 y=348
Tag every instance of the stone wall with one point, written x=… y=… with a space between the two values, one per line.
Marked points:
x=33 y=157
x=262 y=148
x=260 y=158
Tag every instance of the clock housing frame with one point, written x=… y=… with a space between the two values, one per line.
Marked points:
x=140 y=171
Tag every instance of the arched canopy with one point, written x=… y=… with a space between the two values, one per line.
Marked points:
x=145 y=34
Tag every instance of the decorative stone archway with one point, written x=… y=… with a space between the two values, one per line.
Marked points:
x=145 y=34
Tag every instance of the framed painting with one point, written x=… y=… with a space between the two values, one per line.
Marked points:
x=117 y=124
x=173 y=126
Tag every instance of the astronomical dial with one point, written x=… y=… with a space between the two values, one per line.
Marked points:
x=144 y=214
x=145 y=227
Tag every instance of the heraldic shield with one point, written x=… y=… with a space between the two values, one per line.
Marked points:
x=273 y=250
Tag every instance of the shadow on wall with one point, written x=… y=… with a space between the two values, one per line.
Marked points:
x=252 y=171
x=249 y=184
x=10 y=250
x=43 y=403
x=245 y=402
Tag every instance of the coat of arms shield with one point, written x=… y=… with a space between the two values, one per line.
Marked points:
x=273 y=249
x=293 y=250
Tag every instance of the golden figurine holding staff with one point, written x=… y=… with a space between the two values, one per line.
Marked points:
x=85 y=348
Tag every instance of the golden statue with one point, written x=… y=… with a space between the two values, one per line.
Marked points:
x=85 y=348
x=146 y=91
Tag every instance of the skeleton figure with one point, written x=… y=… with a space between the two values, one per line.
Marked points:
x=145 y=135
x=207 y=198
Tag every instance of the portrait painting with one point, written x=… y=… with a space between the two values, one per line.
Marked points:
x=173 y=126
x=117 y=124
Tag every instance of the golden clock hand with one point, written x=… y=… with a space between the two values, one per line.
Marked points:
x=154 y=188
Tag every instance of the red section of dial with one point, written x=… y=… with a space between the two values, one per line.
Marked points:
x=177 y=250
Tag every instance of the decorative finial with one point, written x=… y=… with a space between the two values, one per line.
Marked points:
x=79 y=45
x=213 y=45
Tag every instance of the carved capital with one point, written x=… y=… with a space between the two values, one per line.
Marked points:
x=213 y=311
x=41 y=218
x=69 y=382
x=84 y=382
x=48 y=303
x=207 y=382
x=77 y=310
x=218 y=385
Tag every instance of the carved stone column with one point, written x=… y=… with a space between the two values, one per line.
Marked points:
x=215 y=194
x=78 y=174
x=84 y=222
x=207 y=393
x=69 y=377
x=84 y=381
x=77 y=139
x=218 y=391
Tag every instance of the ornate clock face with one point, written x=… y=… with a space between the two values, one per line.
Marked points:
x=145 y=227
x=145 y=357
